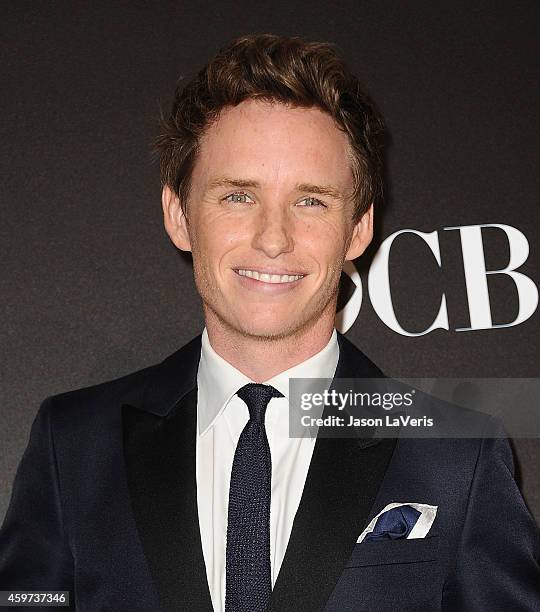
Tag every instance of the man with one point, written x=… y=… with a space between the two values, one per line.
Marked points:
x=178 y=487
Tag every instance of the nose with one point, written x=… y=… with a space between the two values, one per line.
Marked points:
x=273 y=233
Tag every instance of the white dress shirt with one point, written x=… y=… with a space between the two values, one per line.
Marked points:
x=221 y=416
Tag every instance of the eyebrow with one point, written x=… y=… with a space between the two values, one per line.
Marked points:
x=325 y=190
x=226 y=181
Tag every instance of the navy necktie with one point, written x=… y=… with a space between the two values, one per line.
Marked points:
x=248 y=571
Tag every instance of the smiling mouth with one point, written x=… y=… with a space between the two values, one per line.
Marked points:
x=270 y=278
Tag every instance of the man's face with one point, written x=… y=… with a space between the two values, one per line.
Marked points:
x=269 y=218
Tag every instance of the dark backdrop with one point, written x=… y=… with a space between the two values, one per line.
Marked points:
x=91 y=288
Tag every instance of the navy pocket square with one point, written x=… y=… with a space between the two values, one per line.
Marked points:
x=400 y=521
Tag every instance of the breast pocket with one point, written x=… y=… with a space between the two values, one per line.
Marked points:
x=390 y=575
x=390 y=552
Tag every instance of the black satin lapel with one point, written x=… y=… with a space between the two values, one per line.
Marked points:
x=160 y=465
x=343 y=480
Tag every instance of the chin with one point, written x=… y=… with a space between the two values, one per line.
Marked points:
x=269 y=329
x=271 y=324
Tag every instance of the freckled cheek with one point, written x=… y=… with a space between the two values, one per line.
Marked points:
x=219 y=234
x=320 y=242
x=220 y=247
x=322 y=245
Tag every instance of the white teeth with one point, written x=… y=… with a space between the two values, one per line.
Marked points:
x=270 y=278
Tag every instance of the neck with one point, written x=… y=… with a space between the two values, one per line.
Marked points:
x=261 y=358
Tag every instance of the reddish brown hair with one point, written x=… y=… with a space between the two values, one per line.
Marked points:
x=286 y=70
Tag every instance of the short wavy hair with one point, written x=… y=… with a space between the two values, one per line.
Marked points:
x=287 y=70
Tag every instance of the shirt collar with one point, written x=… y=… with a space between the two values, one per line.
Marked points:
x=218 y=380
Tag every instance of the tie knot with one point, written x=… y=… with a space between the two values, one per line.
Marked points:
x=257 y=396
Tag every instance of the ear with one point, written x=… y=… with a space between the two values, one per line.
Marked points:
x=174 y=219
x=361 y=236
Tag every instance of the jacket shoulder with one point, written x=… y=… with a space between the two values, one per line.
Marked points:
x=107 y=391
x=181 y=364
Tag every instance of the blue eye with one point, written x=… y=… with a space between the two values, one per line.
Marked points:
x=238 y=197
x=312 y=202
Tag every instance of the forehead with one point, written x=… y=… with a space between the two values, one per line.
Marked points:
x=275 y=143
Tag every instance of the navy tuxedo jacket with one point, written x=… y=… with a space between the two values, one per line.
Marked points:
x=104 y=505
